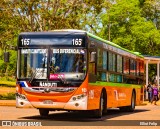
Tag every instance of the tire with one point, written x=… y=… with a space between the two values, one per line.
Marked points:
x=102 y=106
x=123 y=109
x=133 y=101
x=43 y=112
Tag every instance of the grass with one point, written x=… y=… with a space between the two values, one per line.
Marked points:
x=7 y=90
x=8 y=96
x=7 y=83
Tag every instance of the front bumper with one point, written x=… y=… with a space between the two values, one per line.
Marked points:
x=72 y=104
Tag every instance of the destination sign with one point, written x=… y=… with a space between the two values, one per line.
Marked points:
x=75 y=41
x=70 y=51
x=34 y=51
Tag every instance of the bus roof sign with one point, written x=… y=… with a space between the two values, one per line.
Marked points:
x=52 y=38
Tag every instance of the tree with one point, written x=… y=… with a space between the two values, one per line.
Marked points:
x=44 y=15
x=129 y=28
x=151 y=11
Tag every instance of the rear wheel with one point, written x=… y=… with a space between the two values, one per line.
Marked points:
x=133 y=103
x=123 y=109
x=43 y=112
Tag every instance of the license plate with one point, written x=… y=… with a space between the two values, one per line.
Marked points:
x=47 y=102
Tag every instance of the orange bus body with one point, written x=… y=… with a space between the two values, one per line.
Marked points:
x=117 y=96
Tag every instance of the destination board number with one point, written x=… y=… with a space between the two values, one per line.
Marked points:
x=77 y=42
x=25 y=41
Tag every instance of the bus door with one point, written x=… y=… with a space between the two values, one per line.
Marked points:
x=92 y=65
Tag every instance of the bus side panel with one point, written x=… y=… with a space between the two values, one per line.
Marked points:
x=126 y=101
x=124 y=96
x=93 y=96
x=116 y=96
x=139 y=96
x=111 y=97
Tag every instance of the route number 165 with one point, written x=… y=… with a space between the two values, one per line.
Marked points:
x=25 y=41
x=77 y=42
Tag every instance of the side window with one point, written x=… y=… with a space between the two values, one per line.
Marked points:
x=119 y=78
x=115 y=78
x=103 y=77
x=114 y=62
x=112 y=78
x=141 y=68
x=132 y=67
x=100 y=58
x=119 y=63
x=126 y=65
x=104 y=60
x=138 y=69
x=110 y=61
x=92 y=65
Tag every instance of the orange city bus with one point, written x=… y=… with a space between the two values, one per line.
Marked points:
x=74 y=70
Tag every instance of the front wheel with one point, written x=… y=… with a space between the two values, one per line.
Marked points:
x=102 y=106
x=43 y=112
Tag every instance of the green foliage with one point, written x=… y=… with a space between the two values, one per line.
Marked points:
x=9 y=96
x=12 y=64
x=8 y=81
x=129 y=28
x=8 y=69
x=3 y=67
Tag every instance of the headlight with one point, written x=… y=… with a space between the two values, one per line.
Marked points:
x=21 y=96
x=78 y=97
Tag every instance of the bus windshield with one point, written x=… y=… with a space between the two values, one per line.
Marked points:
x=33 y=63
x=68 y=64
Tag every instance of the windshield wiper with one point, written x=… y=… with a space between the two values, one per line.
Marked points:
x=37 y=71
x=33 y=76
x=66 y=82
x=43 y=66
x=62 y=79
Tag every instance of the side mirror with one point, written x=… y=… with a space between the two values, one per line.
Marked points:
x=6 y=56
x=93 y=57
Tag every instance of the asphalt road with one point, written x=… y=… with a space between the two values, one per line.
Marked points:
x=147 y=116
